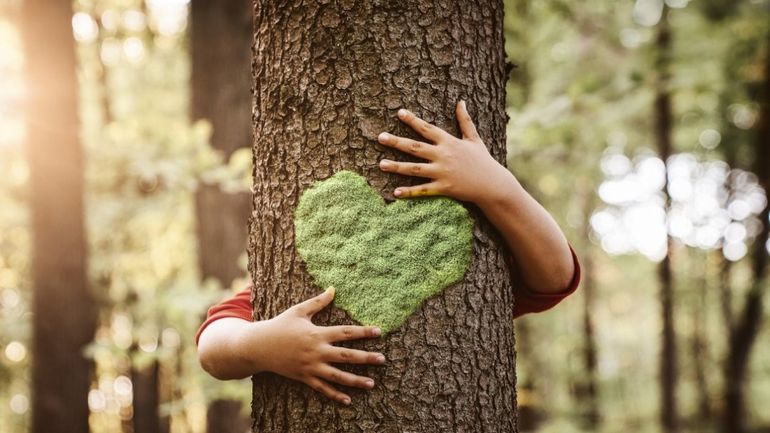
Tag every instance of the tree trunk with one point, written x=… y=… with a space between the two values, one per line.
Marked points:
x=329 y=77
x=699 y=338
x=64 y=312
x=743 y=334
x=146 y=418
x=221 y=82
x=592 y=416
x=663 y=125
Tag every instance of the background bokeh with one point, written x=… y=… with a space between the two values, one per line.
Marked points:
x=581 y=138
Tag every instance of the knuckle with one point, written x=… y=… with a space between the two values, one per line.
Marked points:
x=348 y=331
x=346 y=354
x=415 y=146
x=415 y=169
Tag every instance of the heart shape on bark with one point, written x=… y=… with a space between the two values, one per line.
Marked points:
x=383 y=259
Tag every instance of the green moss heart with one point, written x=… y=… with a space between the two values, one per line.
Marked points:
x=384 y=260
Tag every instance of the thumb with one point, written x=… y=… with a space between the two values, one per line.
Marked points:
x=316 y=303
x=467 y=128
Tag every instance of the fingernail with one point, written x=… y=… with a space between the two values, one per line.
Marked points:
x=376 y=332
x=385 y=164
x=330 y=290
x=463 y=102
x=370 y=383
x=384 y=136
x=380 y=358
x=398 y=193
x=402 y=112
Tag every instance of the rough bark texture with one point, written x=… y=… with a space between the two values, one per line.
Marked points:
x=64 y=318
x=221 y=82
x=329 y=77
x=663 y=125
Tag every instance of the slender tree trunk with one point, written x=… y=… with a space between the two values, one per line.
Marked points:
x=146 y=382
x=64 y=311
x=591 y=395
x=746 y=327
x=699 y=340
x=329 y=77
x=669 y=415
x=221 y=81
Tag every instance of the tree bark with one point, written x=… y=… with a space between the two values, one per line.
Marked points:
x=221 y=82
x=64 y=312
x=669 y=415
x=744 y=332
x=329 y=77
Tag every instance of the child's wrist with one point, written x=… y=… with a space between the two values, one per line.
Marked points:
x=503 y=190
x=248 y=344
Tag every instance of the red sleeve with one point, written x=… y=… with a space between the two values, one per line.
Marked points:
x=237 y=306
x=529 y=301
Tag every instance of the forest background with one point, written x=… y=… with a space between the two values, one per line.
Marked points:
x=584 y=137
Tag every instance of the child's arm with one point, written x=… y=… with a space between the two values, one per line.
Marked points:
x=462 y=168
x=290 y=345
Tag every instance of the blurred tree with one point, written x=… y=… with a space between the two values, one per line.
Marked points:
x=221 y=82
x=744 y=330
x=663 y=134
x=592 y=413
x=146 y=399
x=328 y=79
x=64 y=311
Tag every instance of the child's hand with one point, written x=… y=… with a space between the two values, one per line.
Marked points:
x=459 y=168
x=300 y=350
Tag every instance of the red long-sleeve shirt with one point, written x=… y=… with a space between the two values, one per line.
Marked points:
x=526 y=301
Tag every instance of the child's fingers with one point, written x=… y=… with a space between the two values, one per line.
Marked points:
x=467 y=128
x=409 y=168
x=426 y=189
x=350 y=332
x=407 y=145
x=336 y=375
x=327 y=390
x=431 y=132
x=316 y=303
x=343 y=355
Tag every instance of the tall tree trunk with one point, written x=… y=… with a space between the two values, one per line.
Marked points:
x=64 y=312
x=669 y=415
x=746 y=327
x=146 y=418
x=699 y=339
x=329 y=77
x=591 y=395
x=221 y=81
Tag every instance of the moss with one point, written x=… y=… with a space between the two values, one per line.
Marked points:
x=384 y=260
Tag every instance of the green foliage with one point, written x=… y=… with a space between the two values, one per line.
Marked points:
x=384 y=260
